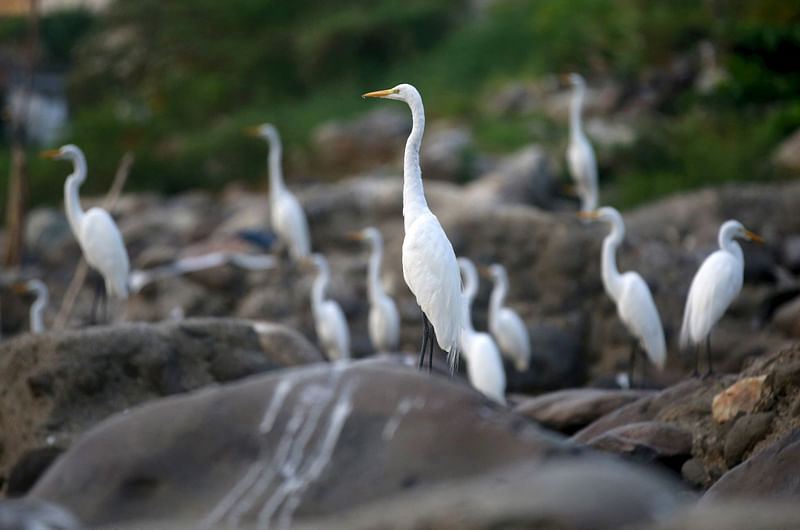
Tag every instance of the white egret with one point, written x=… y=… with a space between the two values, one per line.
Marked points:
x=714 y=286
x=630 y=293
x=95 y=230
x=484 y=365
x=505 y=325
x=580 y=155
x=329 y=320
x=37 y=308
x=383 y=321
x=286 y=215
x=429 y=263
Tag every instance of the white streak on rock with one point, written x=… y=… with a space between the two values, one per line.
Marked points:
x=404 y=407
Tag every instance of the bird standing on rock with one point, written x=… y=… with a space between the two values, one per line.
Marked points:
x=715 y=285
x=580 y=155
x=95 y=230
x=37 y=308
x=286 y=215
x=329 y=321
x=430 y=268
x=506 y=326
x=383 y=321
x=630 y=293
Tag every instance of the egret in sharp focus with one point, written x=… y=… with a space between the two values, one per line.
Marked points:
x=580 y=155
x=383 y=321
x=630 y=293
x=484 y=365
x=506 y=326
x=329 y=320
x=429 y=263
x=37 y=308
x=95 y=230
x=714 y=287
x=286 y=215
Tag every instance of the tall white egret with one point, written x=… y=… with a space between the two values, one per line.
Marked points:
x=383 y=321
x=505 y=325
x=714 y=286
x=286 y=215
x=580 y=155
x=429 y=263
x=95 y=230
x=329 y=320
x=484 y=365
x=630 y=293
x=39 y=304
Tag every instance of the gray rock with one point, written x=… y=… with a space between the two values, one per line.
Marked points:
x=34 y=514
x=790 y=253
x=787 y=154
x=741 y=514
x=445 y=153
x=568 y=410
x=648 y=441
x=307 y=442
x=745 y=433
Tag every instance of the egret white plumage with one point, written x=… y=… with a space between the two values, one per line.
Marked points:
x=39 y=304
x=95 y=230
x=286 y=215
x=505 y=324
x=329 y=321
x=484 y=365
x=580 y=155
x=383 y=321
x=429 y=263
x=716 y=284
x=630 y=293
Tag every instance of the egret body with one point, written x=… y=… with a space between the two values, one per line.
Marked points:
x=329 y=321
x=39 y=304
x=506 y=326
x=580 y=155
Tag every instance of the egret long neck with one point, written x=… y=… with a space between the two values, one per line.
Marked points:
x=414 y=202
x=727 y=243
x=498 y=296
x=575 y=108
x=72 y=201
x=37 y=324
x=374 y=289
x=612 y=280
x=275 y=170
x=318 y=289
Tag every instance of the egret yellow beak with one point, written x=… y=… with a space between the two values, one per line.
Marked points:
x=19 y=288
x=753 y=237
x=564 y=79
x=52 y=153
x=356 y=235
x=380 y=93
x=253 y=130
x=587 y=215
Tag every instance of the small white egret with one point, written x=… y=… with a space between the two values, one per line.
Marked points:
x=95 y=230
x=286 y=215
x=383 y=321
x=630 y=293
x=484 y=365
x=429 y=263
x=714 y=286
x=580 y=155
x=329 y=320
x=505 y=324
x=37 y=308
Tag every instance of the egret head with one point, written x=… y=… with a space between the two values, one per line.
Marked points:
x=265 y=130
x=66 y=152
x=496 y=272
x=736 y=229
x=314 y=261
x=31 y=286
x=403 y=92
x=606 y=213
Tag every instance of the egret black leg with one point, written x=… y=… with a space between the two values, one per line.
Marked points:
x=98 y=288
x=632 y=363
x=425 y=331
x=708 y=353
x=696 y=372
x=431 y=345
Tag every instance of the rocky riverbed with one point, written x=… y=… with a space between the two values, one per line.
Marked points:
x=206 y=403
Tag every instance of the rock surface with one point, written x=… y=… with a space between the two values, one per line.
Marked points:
x=311 y=442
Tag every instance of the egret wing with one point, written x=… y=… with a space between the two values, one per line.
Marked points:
x=289 y=222
x=638 y=311
x=105 y=251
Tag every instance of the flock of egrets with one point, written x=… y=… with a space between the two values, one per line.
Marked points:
x=444 y=286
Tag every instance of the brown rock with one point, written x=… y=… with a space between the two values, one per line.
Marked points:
x=744 y=396
x=745 y=433
x=649 y=440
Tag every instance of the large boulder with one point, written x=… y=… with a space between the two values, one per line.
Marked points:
x=55 y=385
x=311 y=442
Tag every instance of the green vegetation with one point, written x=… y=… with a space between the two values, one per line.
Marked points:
x=177 y=81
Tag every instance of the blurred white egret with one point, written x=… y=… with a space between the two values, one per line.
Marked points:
x=95 y=230
x=714 y=286
x=484 y=365
x=286 y=215
x=383 y=321
x=37 y=308
x=429 y=263
x=329 y=320
x=580 y=155
x=630 y=293
x=506 y=326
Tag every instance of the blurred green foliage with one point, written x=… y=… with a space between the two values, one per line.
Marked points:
x=177 y=81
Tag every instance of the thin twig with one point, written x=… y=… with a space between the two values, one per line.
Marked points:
x=79 y=277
